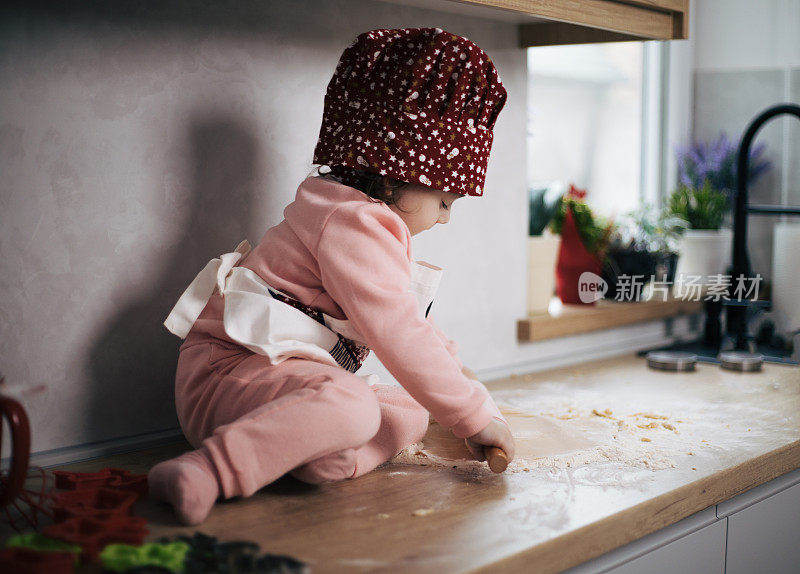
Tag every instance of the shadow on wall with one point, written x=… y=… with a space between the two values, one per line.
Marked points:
x=132 y=363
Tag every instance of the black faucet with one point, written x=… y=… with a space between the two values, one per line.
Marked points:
x=736 y=323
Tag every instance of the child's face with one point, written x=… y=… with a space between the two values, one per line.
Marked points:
x=422 y=207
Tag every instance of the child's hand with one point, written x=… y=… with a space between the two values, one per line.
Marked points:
x=496 y=433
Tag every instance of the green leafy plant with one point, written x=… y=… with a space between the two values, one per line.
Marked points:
x=700 y=208
x=650 y=229
x=595 y=231
x=543 y=203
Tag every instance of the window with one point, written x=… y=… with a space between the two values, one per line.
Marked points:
x=595 y=119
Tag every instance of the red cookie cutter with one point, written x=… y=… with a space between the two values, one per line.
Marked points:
x=27 y=561
x=97 y=503
x=117 y=478
x=79 y=480
x=125 y=480
x=93 y=535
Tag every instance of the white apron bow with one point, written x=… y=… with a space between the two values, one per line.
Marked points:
x=199 y=291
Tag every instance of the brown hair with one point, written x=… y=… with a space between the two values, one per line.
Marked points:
x=378 y=187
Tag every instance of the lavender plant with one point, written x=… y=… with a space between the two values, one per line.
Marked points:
x=715 y=162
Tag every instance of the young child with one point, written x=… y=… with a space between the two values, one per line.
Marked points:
x=265 y=382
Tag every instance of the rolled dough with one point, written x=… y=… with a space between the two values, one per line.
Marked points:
x=535 y=436
x=577 y=435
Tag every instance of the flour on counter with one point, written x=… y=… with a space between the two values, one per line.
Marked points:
x=624 y=450
x=556 y=426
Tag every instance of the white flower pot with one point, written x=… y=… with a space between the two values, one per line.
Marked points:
x=542 y=257
x=704 y=252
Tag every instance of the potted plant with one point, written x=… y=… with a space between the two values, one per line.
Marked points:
x=584 y=240
x=643 y=246
x=707 y=181
x=543 y=203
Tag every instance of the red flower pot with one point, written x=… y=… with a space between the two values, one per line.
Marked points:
x=573 y=260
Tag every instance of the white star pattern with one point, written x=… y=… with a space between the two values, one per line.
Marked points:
x=377 y=103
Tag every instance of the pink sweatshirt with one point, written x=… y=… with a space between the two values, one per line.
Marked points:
x=349 y=256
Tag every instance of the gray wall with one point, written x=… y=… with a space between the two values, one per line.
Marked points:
x=136 y=144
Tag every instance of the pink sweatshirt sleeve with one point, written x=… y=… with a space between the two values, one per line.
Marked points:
x=365 y=266
x=449 y=344
x=452 y=348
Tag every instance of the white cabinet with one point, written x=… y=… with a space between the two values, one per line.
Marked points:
x=765 y=537
x=701 y=552
x=695 y=544
x=756 y=531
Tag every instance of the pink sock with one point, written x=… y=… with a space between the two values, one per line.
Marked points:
x=189 y=483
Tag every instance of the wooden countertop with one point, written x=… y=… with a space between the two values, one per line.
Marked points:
x=733 y=431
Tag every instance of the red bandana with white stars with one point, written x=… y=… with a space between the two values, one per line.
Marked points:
x=416 y=104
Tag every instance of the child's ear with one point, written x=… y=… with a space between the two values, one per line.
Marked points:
x=388 y=190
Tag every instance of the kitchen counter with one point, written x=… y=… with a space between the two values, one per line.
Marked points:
x=726 y=433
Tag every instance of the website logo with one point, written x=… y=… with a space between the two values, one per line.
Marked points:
x=591 y=287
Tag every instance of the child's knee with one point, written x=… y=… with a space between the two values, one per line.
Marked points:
x=362 y=410
x=411 y=422
x=419 y=419
x=397 y=404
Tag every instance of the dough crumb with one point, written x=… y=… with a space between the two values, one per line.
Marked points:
x=650 y=416
x=422 y=512
x=668 y=426
x=605 y=414
x=648 y=426
x=645 y=439
x=694 y=468
x=690 y=453
x=383 y=516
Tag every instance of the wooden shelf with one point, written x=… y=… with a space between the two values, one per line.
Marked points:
x=575 y=319
x=591 y=21
x=554 y=22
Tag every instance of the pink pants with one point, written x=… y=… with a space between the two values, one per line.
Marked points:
x=258 y=421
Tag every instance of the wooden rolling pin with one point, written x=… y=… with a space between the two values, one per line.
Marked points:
x=496 y=457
